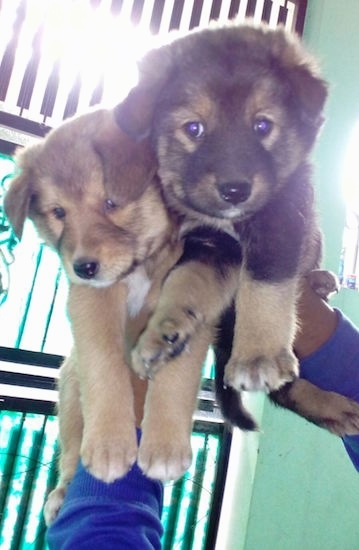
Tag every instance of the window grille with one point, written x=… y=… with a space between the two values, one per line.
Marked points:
x=46 y=79
x=28 y=435
x=41 y=84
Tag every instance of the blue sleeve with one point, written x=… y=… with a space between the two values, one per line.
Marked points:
x=100 y=516
x=335 y=367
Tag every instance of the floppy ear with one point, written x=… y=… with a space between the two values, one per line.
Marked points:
x=128 y=167
x=17 y=198
x=134 y=114
x=312 y=92
x=301 y=71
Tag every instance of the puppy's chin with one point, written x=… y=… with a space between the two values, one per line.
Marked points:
x=218 y=213
x=93 y=283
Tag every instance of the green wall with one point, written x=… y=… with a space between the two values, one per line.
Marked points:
x=305 y=490
x=332 y=33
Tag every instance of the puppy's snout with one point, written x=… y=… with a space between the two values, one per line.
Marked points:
x=235 y=191
x=86 y=268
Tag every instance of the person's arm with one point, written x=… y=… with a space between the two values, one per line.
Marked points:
x=318 y=322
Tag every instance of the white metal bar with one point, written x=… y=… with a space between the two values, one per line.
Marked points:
x=205 y=13
x=32 y=370
x=241 y=15
x=24 y=392
x=258 y=12
x=224 y=11
x=274 y=14
x=166 y=17
x=292 y=10
x=186 y=15
x=147 y=14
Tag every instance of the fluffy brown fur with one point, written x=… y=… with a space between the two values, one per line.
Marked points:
x=233 y=113
x=92 y=195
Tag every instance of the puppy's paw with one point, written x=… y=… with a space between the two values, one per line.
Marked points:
x=338 y=414
x=53 y=504
x=324 y=283
x=261 y=373
x=165 y=337
x=109 y=458
x=165 y=460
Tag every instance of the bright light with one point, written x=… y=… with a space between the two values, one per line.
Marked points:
x=351 y=172
x=86 y=44
x=94 y=44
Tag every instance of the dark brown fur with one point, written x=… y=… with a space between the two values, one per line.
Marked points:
x=233 y=113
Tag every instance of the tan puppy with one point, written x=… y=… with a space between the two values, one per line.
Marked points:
x=93 y=197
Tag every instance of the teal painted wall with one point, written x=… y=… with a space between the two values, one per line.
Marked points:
x=332 y=33
x=305 y=490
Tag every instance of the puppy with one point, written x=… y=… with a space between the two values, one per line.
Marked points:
x=93 y=197
x=233 y=113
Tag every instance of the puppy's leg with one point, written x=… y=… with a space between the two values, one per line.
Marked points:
x=329 y=410
x=109 y=445
x=70 y=435
x=165 y=449
x=262 y=356
x=193 y=295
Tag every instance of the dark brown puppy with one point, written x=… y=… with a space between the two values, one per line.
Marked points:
x=233 y=113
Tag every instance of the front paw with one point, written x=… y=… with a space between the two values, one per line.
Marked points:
x=109 y=457
x=165 y=458
x=261 y=373
x=53 y=503
x=165 y=337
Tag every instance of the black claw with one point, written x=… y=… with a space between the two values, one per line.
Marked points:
x=170 y=338
x=191 y=313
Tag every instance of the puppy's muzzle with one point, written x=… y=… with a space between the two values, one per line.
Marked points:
x=86 y=268
x=235 y=191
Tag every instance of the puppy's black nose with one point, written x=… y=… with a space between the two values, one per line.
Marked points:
x=86 y=269
x=235 y=191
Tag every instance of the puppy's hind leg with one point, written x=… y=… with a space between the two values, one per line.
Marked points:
x=332 y=411
x=70 y=434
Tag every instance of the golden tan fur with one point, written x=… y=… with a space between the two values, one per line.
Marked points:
x=91 y=193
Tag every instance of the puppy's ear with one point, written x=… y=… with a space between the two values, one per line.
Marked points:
x=18 y=197
x=300 y=70
x=134 y=115
x=128 y=167
x=312 y=92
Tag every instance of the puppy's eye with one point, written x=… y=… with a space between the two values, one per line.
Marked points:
x=194 y=129
x=110 y=205
x=262 y=127
x=59 y=212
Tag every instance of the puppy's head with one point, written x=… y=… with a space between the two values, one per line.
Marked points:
x=91 y=195
x=233 y=112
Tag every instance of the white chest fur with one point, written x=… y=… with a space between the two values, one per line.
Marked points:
x=138 y=285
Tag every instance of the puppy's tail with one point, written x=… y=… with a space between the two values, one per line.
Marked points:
x=233 y=411
x=229 y=400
